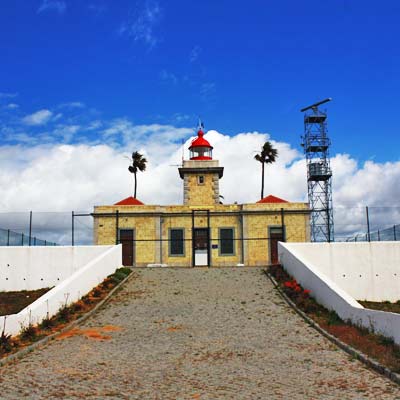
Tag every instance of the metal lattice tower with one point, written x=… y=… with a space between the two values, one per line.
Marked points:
x=316 y=149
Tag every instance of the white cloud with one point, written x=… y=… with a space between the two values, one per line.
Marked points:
x=73 y=104
x=207 y=89
x=52 y=5
x=194 y=53
x=142 y=24
x=64 y=177
x=168 y=77
x=12 y=106
x=40 y=117
x=4 y=95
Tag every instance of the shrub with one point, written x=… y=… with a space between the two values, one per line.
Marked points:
x=47 y=323
x=97 y=292
x=28 y=332
x=6 y=343
x=64 y=314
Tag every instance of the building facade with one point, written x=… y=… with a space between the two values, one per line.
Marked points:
x=201 y=231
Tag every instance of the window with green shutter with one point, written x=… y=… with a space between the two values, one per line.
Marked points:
x=176 y=242
x=226 y=242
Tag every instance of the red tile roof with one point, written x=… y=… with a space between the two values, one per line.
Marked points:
x=129 y=201
x=272 y=199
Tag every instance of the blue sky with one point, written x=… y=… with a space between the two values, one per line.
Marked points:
x=242 y=66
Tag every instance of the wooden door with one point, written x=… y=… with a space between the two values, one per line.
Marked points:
x=126 y=238
x=276 y=235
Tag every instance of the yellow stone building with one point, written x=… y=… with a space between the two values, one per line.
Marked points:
x=201 y=232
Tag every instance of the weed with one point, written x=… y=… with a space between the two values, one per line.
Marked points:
x=64 y=314
x=386 y=341
x=333 y=318
x=28 y=332
x=97 y=292
x=6 y=343
x=47 y=323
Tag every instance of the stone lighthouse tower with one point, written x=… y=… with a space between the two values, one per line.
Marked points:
x=201 y=174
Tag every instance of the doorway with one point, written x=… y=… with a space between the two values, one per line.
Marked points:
x=127 y=239
x=276 y=234
x=201 y=247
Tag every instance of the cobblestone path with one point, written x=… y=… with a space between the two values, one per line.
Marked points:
x=193 y=334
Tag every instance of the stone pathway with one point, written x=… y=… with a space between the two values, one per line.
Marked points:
x=193 y=334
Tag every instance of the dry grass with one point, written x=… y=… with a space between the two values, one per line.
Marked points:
x=382 y=306
x=14 y=302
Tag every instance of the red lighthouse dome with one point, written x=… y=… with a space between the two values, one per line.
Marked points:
x=200 y=148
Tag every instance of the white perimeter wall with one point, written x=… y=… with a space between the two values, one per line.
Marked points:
x=332 y=272
x=30 y=268
x=79 y=269
x=366 y=271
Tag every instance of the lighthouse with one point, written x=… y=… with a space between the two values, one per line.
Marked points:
x=200 y=174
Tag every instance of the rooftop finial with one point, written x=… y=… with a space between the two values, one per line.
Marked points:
x=201 y=125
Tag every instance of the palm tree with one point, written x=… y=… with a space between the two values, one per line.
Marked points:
x=138 y=164
x=268 y=155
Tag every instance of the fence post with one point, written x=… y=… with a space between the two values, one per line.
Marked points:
x=8 y=237
x=30 y=228
x=73 y=230
x=116 y=226
x=369 y=233
x=394 y=232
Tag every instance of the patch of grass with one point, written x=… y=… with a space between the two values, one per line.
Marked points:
x=333 y=318
x=14 y=302
x=376 y=346
x=120 y=274
x=382 y=306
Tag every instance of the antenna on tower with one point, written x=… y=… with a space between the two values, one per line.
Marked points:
x=316 y=149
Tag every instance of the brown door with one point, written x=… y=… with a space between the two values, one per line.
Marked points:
x=275 y=235
x=126 y=238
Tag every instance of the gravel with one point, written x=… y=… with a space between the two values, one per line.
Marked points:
x=193 y=334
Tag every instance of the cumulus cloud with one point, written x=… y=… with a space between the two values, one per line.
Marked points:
x=40 y=117
x=62 y=177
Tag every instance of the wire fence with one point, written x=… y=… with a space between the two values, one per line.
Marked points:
x=11 y=238
x=361 y=223
x=45 y=228
x=351 y=223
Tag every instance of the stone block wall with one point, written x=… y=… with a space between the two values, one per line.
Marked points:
x=153 y=223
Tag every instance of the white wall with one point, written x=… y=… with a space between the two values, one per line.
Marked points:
x=366 y=271
x=101 y=262
x=30 y=268
x=320 y=267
